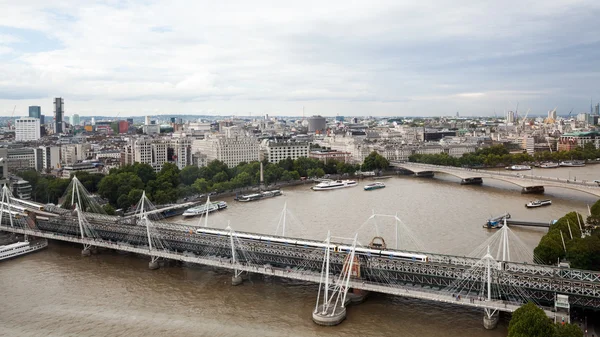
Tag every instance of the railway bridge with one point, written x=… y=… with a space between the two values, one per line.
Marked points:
x=344 y=271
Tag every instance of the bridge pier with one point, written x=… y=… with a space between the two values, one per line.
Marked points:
x=330 y=316
x=86 y=252
x=490 y=319
x=472 y=181
x=425 y=174
x=236 y=280
x=153 y=265
x=533 y=190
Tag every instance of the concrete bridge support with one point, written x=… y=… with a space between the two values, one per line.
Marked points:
x=330 y=316
x=236 y=280
x=472 y=181
x=424 y=174
x=490 y=319
x=153 y=265
x=86 y=252
x=533 y=190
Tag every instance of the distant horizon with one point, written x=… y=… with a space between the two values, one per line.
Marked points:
x=166 y=115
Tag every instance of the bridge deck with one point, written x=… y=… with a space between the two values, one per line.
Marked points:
x=308 y=276
x=520 y=179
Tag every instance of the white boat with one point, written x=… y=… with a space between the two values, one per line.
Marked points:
x=374 y=186
x=538 y=203
x=332 y=185
x=549 y=165
x=258 y=196
x=21 y=248
x=205 y=208
x=572 y=163
x=519 y=167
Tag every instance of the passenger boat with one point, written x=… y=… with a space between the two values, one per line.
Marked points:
x=374 y=186
x=205 y=208
x=258 y=196
x=21 y=248
x=572 y=163
x=519 y=167
x=538 y=203
x=549 y=165
x=332 y=185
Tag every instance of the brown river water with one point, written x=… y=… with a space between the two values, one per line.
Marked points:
x=56 y=292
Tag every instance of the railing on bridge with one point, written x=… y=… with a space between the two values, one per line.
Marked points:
x=504 y=285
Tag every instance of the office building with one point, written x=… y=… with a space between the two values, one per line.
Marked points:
x=35 y=112
x=317 y=124
x=231 y=151
x=58 y=115
x=75 y=120
x=278 y=151
x=27 y=129
x=50 y=157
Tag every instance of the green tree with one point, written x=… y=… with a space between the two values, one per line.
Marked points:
x=189 y=174
x=375 y=161
x=530 y=321
x=201 y=185
x=220 y=177
x=567 y=330
x=109 y=209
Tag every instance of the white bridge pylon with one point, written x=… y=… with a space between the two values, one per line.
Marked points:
x=6 y=196
x=333 y=308
x=506 y=246
x=387 y=226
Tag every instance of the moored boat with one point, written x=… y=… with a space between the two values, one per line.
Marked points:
x=572 y=163
x=549 y=165
x=519 y=167
x=538 y=203
x=258 y=196
x=205 y=208
x=374 y=186
x=332 y=185
x=21 y=248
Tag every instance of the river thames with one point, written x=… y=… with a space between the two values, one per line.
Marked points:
x=56 y=292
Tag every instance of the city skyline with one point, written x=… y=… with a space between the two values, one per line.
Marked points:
x=393 y=59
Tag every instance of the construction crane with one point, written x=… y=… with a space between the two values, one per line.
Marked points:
x=525 y=118
x=570 y=112
x=12 y=116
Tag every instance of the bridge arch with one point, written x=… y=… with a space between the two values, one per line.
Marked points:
x=514 y=181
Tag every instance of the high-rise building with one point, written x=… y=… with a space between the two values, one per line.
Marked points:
x=35 y=112
x=26 y=129
x=58 y=114
x=75 y=119
x=510 y=117
x=597 y=109
x=552 y=114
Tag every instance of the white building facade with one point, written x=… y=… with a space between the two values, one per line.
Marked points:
x=231 y=151
x=27 y=129
x=278 y=151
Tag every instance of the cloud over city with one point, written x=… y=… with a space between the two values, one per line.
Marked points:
x=333 y=57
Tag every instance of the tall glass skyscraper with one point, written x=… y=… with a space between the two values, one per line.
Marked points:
x=36 y=112
x=58 y=114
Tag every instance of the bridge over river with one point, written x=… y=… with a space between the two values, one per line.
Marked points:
x=345 y=272
x=527 y=183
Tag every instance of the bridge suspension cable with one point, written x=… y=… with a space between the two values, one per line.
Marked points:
x=76 y=193
x=505 y=245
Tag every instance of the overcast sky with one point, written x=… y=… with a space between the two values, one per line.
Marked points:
x=379 y=58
